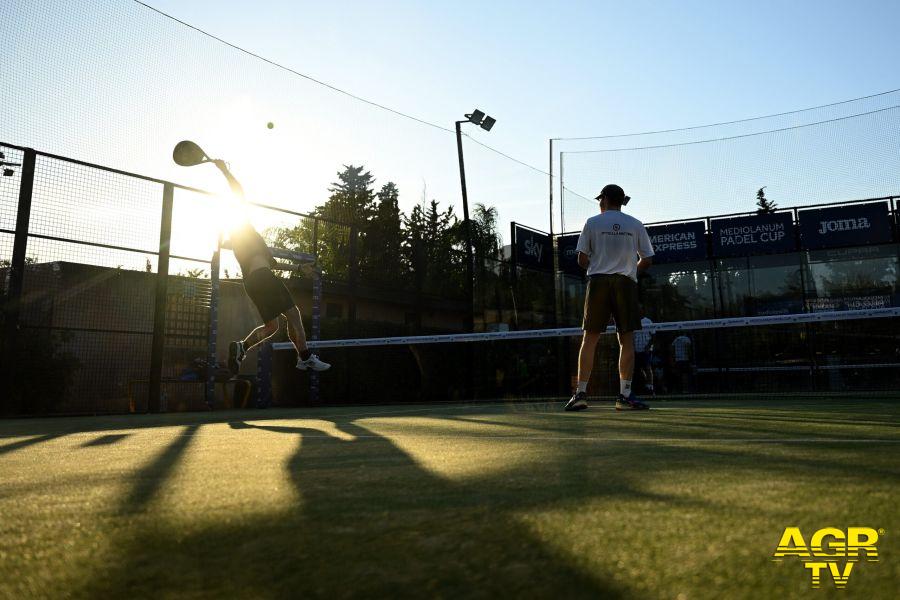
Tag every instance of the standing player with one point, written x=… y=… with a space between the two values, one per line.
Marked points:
x=682 y=353
x=609 y=247
x=267 y=292
x=642 y=354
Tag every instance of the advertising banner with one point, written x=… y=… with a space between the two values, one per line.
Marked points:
x=533 y=249
x=680 y=242
x=839 y=226
x=756 y=234
x=568 y=256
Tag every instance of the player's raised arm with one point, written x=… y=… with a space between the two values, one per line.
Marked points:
x=233 y=183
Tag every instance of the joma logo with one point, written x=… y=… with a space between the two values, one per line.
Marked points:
x=843 y=225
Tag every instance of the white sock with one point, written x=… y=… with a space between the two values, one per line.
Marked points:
x=625 y=387
x=582 y=387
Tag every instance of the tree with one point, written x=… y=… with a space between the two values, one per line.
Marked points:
x=382 y=239
x=352 y=199
x=764 y=205
x=352 y=202
x=432 y=249
x=485 y=239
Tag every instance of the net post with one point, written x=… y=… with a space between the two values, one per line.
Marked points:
x=562 y=353
x=162 y=291
x=9 y=403
x=213 y=334
x=351 y=308
x=314 y=332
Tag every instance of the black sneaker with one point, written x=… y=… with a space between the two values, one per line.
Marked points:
x=577 y=402
x=630 y=403
x=236 y=355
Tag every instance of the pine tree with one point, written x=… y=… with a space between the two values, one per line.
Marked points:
x=352 y=202
x=432 y=250
x=383 y=237
x=352 y=199
x=764 y=205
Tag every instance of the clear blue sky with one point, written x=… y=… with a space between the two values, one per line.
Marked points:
x=109 y=81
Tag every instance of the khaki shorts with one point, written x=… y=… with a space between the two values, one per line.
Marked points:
x=612 y=296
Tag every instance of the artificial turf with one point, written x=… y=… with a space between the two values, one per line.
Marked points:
x=688 y=500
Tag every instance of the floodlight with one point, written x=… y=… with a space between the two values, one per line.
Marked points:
x=487 y=123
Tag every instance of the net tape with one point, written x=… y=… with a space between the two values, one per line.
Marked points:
x=844 y=315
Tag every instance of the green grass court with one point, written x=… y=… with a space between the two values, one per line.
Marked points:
x=492 y=500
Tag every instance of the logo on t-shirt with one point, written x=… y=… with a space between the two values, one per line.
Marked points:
x=617 y=230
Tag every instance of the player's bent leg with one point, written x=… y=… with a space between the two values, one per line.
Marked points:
x=296 y=331
x=237 y=350
x=306 y=360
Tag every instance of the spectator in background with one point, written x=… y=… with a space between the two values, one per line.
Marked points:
x=682 y=359
x=643 y=345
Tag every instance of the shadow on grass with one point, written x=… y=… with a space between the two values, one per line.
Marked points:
x=29 y=442
x=153 y=476
x=105 y=440
x=372 y=521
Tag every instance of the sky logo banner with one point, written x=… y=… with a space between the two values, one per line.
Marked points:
x=757 y=234
x=568 y=255
x=533 y=249
x=854 y=225
x=831 y=553
x=680 y=242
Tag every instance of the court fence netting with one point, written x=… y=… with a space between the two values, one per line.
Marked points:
x=90 y=326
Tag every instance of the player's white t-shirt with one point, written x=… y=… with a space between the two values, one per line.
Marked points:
x=642 y=336
x=682 y=348
x=613 y=241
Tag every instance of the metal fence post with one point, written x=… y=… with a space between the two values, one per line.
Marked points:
x=315 y=331
x=513 y=273
x=315 y=240
x=12 y=306
x=562 y=196
x=162 y=290
x=213 y=334
x=354 y=270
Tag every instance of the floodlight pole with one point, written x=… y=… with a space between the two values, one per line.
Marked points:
x=470 y=286
x=551 y=187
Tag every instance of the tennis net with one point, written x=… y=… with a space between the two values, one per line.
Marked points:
x=853 y=352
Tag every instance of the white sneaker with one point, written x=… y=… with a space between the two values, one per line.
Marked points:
x=312 y=364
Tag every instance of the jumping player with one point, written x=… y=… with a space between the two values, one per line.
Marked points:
x=267 y=292
x=609 y=247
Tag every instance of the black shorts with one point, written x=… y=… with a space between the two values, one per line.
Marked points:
x=612 y=296
x=268 y=293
